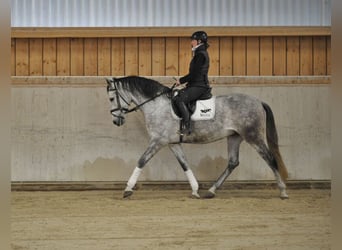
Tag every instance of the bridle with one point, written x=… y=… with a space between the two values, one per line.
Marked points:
x=118 y=95
x=123 y=110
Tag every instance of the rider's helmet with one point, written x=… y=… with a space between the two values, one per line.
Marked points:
x=200 y=35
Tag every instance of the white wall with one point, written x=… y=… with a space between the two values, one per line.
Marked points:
x=141 y=13
x=66 y=134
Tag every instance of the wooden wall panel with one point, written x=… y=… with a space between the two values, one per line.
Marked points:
x=319 y=56
x=49 y=57
x=63 y=57
x=118 y=56
x=13 y=52
x=239 y=56
x=306 y=57
x=90 y=57
x=185 y=55
x=292 y=55
x=279 y=56
x=158 y=56
x=131 y=56
x=266 y=56
x=22 y=57
x=253 y=56
x=77 y=57
x=328 y=56
x=104 y=57
x=171 y=56
x=35 y=57
x=145 y=56
x=214 y=55
x=226 y=56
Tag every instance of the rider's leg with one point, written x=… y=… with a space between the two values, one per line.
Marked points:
x=185 y=96
x=180 y=101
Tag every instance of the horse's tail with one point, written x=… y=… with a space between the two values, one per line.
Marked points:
x=272 y=141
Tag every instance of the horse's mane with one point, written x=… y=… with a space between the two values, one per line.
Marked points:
x=147 y=87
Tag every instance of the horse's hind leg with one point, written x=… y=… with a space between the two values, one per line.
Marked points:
x=178 y=152
x=266 y=154
x=234 y=142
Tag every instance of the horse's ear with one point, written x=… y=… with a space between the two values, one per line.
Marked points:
x=108 y=81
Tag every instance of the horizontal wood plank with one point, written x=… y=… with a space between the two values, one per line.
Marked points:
x=84 y=32
x=168 y=80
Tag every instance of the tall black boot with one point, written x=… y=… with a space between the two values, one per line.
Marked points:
x=186 y=128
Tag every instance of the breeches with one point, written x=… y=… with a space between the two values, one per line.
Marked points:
x=189 y=94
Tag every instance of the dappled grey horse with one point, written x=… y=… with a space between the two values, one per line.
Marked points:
x=238 y=117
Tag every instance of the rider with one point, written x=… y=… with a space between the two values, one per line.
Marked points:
x=196 y=79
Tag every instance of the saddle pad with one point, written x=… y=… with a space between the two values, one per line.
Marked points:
x=205 y=110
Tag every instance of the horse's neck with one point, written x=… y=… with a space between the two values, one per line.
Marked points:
x=159 y=104
x=138 y=99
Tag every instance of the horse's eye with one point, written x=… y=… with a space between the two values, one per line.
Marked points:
x=111 y=99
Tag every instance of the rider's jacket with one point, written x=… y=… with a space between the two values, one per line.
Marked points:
x=198 y=70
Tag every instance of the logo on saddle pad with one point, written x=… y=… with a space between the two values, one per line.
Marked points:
x=204 y=110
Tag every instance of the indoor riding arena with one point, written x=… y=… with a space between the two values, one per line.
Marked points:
x=70 y=164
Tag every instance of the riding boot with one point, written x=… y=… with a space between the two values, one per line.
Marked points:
x=186 y=125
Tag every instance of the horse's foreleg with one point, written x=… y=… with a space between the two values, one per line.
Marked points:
x=178 y=152
x=131 y=182
x=234 y=142
x=152 y=149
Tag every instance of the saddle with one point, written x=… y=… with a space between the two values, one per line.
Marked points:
x=201 y=109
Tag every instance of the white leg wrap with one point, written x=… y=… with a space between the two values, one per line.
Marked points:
x=212 y=189
x=133 y=179
x=192 y=180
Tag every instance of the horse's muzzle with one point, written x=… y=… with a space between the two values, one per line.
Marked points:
x=119 y=121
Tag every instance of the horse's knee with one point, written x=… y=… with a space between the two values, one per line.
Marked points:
x=141 y=163
x=232 y=165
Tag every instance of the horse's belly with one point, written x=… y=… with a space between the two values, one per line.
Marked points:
x=208 y=137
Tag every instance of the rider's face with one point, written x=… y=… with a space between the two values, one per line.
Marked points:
x=194 y=43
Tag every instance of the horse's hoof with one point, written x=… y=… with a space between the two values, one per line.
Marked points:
x=283 y=195
x=127 y=194
x=209 y=195
x=195 y=196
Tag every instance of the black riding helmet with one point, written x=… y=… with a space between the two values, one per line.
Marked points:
x=200 y=35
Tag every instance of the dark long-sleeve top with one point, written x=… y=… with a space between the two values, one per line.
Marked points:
x=198 y=70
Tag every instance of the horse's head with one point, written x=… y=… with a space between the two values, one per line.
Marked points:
x=119 y=102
